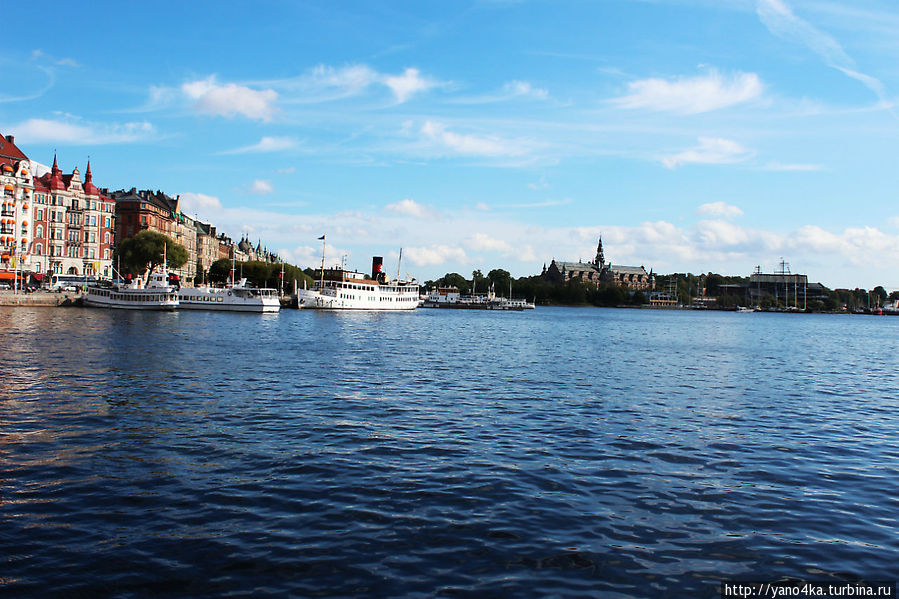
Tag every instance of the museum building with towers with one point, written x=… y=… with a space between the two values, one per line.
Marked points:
x=634 y=278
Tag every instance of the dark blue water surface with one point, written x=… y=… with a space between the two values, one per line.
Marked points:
x=552 y=453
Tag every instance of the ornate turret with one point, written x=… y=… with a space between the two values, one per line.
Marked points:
x=56 y=181
x=89 y=187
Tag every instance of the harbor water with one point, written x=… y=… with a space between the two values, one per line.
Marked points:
x=559 y=452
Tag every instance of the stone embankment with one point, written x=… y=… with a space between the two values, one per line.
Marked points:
x=39 y=298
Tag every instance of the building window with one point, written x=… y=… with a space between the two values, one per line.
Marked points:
x=37 y=249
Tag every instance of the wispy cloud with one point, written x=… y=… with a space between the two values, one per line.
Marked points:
x=719 y=210
x=710 y=150
x=261 y=187
x=692 y=95
x=468 y=144
x=325 y=83
x=266 y=144
x=782 y=22
x=74 y=131
x=230 y=99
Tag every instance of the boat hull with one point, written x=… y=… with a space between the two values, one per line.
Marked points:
x=229 y=300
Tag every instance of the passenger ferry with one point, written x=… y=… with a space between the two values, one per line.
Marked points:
x=158 y=294
x=450 y=297
x=236 y=297
x=340 y=289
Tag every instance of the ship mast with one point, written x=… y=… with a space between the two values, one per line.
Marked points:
x=322 y=280
x=399 y=262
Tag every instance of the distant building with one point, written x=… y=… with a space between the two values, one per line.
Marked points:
x=634 y=278
x=788 y=289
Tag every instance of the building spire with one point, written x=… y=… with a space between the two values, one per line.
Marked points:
x=600 y=259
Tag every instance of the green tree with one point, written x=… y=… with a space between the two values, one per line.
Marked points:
x=200 y=277
x=454 y=279
x=478 y=281
x=220 y=271
x=500 y=279
x=146 y=251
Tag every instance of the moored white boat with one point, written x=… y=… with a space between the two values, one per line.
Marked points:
x=238 y=297
x=340 y=289
x=157 y=294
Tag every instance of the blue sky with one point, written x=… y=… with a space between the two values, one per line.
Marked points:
x=694 y=135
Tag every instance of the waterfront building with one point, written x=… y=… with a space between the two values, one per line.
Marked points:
x=156 y=211
x=207 y=249
x=16 y=179
x=73 y=222
x=635 y=278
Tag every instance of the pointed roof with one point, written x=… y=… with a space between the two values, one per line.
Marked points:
x=89 y=187
x=9 y=152
x=55 y=181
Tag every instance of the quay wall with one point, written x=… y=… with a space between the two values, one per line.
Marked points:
x=38 y=298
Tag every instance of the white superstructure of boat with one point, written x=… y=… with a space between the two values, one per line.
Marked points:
x=341 y=289
x=238 y=297
x=157 y=294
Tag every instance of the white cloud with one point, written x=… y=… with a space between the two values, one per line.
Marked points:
x=710 y=151
x=482 y=207
x=719 y=209
x=523 y=88
x=481 y=242
x=469 y=144
x=782 y=22
x=408 y=84
x=266 y=144
x=409 y=207
x=692 y=95
x=203 y=205
x=231 y=99
x=435 y=255
x=78 y=132
x=287 y=170
x=261 y=187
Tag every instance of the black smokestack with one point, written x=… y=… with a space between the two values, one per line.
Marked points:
x=376 y=267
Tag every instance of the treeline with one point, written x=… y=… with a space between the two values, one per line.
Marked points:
x=260 y=274
x=539 y=290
